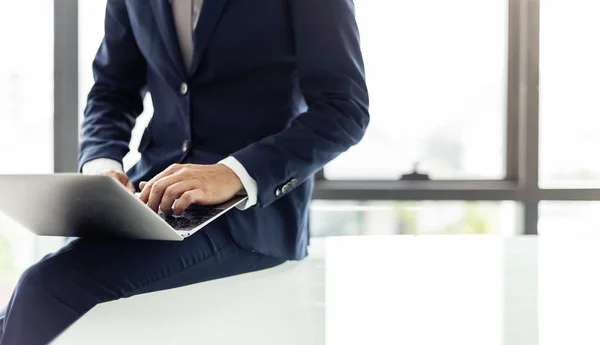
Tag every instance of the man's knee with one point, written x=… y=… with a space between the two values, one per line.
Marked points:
x=40 y=277
x=51 y=281
x=69 y=280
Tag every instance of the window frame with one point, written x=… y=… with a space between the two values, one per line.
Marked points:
x=522 y=127
x=66 y=85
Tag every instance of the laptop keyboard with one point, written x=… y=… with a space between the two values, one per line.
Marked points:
x=191 y=218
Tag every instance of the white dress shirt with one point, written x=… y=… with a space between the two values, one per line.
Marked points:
x=185 y=15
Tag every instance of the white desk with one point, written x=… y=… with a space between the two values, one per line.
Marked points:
x=378 y=290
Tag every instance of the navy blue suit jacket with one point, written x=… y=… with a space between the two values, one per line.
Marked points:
x=277 y=84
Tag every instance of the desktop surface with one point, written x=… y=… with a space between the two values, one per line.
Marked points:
x=378 y=290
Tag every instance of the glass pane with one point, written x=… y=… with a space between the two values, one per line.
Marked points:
x=436 y=72
x=340 y=218
x=569 y=106
x=91 y=32
x=26 y=121
x=569 y=217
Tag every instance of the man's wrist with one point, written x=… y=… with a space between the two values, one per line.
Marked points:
x=236 y=182
x=98 y=165
x=250 y=186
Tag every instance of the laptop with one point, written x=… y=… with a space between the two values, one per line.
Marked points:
x=75 y=205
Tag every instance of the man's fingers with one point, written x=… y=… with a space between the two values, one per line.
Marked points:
x=122 y=178
x=190 y=197
x=157 y=190
x=130 y=186
x=172 y=193
x=119 y=177
x=145 y=194
x=143 y=184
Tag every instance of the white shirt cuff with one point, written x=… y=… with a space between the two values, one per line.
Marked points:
x=99 y=165
x=248 y=182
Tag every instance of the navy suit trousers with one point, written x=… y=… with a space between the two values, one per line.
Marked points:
x=63 y=286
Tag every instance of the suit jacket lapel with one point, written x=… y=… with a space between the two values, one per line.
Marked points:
x=166 y=27
x=209 y=18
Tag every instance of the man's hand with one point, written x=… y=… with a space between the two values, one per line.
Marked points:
x=119 y=176
x=190 y=184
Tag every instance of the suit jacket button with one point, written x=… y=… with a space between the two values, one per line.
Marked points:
x=278 y=192
x=183 y=88
x=185 y=146
x=293 y=182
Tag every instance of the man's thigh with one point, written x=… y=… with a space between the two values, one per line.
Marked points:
x=65 y=285
x=91 y=271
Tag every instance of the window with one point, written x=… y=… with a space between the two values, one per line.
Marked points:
x=339 y=218
x=569 y=217
x=437 y=74
x=91 y=32
x=26 y=117
x=569 y=106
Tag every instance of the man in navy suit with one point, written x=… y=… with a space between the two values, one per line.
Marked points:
x=250 y=96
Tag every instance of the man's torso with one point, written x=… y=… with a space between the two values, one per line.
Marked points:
x=242 y=87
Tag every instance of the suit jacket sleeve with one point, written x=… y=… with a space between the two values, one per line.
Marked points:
x=332 y=81
x=116 y=98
